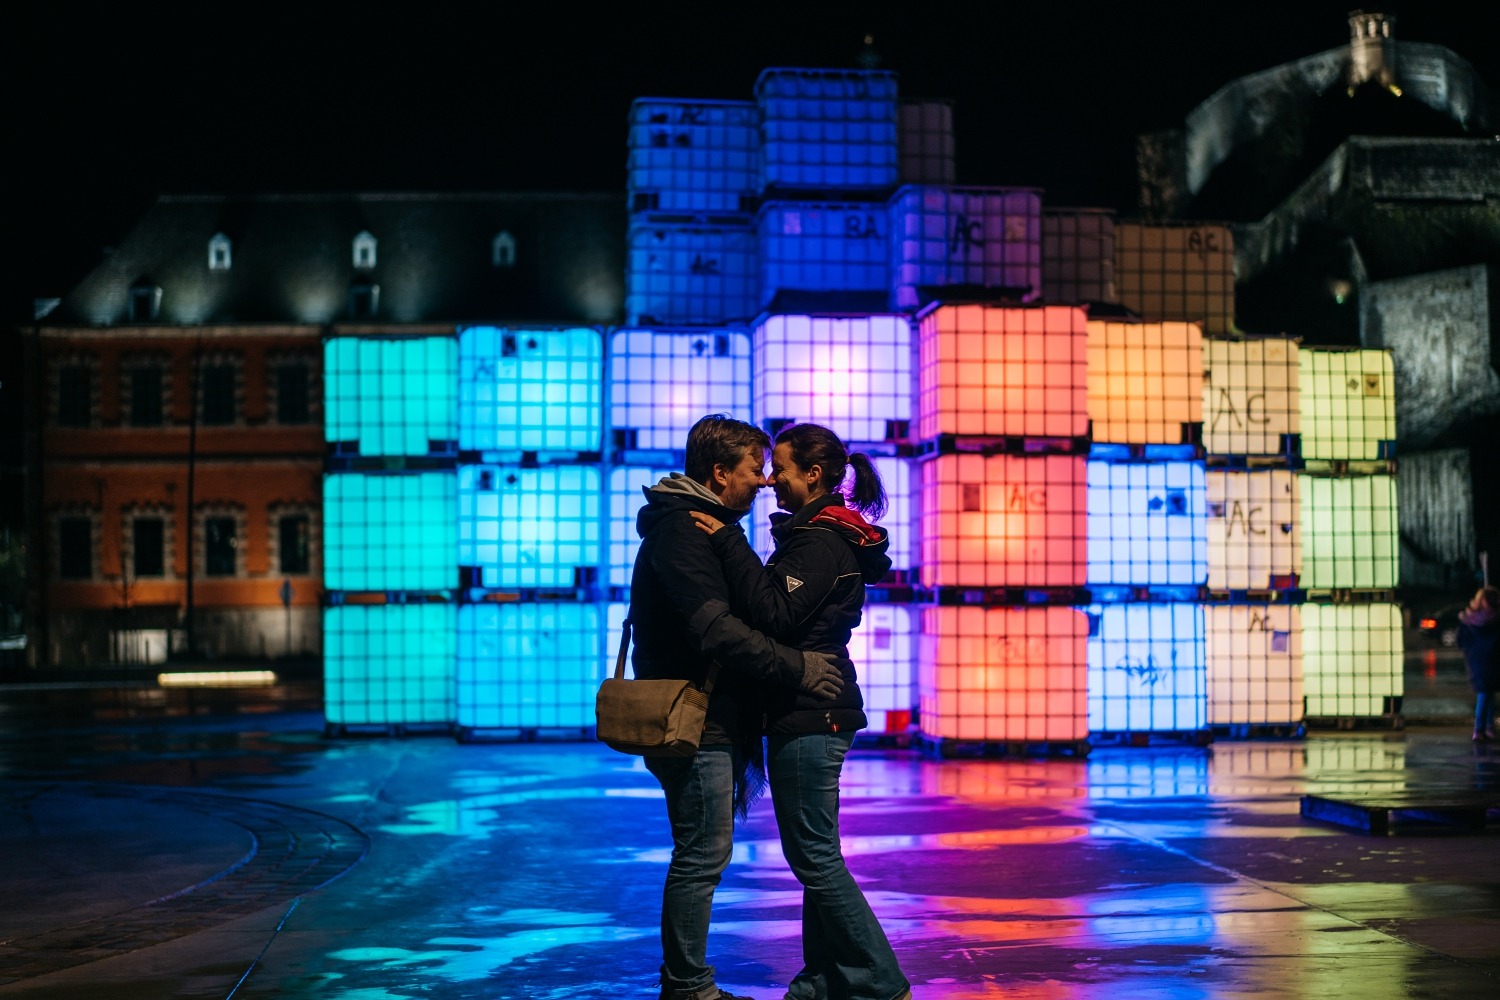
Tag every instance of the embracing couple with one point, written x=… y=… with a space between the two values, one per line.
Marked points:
x=776 y=637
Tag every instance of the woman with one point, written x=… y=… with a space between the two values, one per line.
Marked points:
x=1479 y=637
x=809 y=594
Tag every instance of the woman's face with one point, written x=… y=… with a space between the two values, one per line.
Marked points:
x=794 y=485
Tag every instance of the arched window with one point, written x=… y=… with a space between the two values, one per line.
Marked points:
x=503 y=250
x=219 y=255
x=364 y=250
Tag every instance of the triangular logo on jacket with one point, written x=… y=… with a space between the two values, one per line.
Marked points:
x=792 y=583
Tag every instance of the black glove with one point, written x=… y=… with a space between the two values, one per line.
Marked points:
x=822 y=675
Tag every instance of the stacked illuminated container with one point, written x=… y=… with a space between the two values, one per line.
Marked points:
x=1352 y=637
x=983 y=241
x=1002 y=422
x=1252 y=422
x=1147 y=541
x=853 y=375
x=390 y=533
x=1177 y=271
x=529 y=507
x=1078 y=256
x=693 y=177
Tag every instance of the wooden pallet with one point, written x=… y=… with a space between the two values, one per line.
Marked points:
x=1259 y=731
x=948 y=749
x=1380 y=813
x=1153 y=738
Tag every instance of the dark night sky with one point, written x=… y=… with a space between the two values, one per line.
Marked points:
x=107 y=108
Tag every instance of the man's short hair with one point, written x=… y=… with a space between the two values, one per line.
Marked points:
x=719 y=439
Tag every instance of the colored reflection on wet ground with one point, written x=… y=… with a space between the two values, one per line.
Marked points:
x=251 y=857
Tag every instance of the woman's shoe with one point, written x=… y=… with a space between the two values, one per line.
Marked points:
x=1480 y=736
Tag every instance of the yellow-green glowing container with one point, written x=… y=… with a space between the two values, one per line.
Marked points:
x=1349 y=532
x=1145 y=381
x=1348 y=404
x=1351 y=659
x=1251 y=396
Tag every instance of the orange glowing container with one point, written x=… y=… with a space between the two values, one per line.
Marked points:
x=1004 y=521
x=1145 y=381
x=1179 y=270
x=1003 y=673
x=992 y=371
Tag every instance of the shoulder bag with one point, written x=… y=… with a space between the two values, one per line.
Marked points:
x=651 y=718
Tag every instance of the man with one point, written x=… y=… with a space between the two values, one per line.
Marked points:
x=681 y=618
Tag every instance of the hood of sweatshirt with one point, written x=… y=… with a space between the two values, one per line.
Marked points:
x=675 y=493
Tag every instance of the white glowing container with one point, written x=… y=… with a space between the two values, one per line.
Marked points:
x=528 y=666
x=1254 y=528
x=1352 y=659
x=1177 y=271
x=1349 y=532
x=1003 y=521
x=530 y=389
x=1145 y=381
x=974 y=237
x=1003 y=673
x=1254 y=654
x=1002 y=371
x=1146 y=668
x=530 y=527
x=389 y=664
x=662 y=381
x=1348 y=404
x=896 y=475
x=1078 y=255
x=1251 y=395
x=884 y=651
x=850 y=374
x=1147 y=523
x=623 y=502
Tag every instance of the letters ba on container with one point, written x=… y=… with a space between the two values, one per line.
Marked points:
x=1145 y=382
x=1254 y=529
x=1251 y=396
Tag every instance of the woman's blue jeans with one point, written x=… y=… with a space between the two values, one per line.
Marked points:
x=845 y=952
x=700 y=805
x=1484 y=711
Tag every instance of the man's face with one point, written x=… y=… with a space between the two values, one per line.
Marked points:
x=737 y=486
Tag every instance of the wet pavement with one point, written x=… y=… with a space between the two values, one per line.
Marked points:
x=208 y=854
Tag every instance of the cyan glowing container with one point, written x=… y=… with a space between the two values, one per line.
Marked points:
x=1348 y=404
x=524 y=667
x=390 y=531
x=693 y=156
x=1352 y=657
x=1251 y=395
x=1003 y=521
x=1003 y=673
x=625 y=499
x=530 y=390
x=1254 y=656
x=1254 y=529
x=884 y=651
x=970 y=237
x=1145 y=382
x=1349 y=532
x=851 y=374
x=389 y=664
x=1177 y=271
x=391 y=396
x=827 y=129
x=1002 y=371
x=535 y=527
x=662 y=381
x=823 y=247
x=690 y=275
x=898 y=477
x=1147 y=523
x=1078 y=255
x=924 y=142
x=1147 y=668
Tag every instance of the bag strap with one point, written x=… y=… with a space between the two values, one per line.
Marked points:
x=708 y=681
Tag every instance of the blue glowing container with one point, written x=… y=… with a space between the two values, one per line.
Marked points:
x=389 y=664
x=625 y=499
x=691 y=275
x=1147 y=670
x=662 y=381
x=1147 y=523
x=390 y=531
x=827 y=129
x=973 y=237
x=693 y=156
x=393 y=396
x=529 y=527
x=530 y=390
x=822 y=247
x=526 y=667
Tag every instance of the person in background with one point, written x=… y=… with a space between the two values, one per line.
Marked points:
x=810 y=594
x=1479 y=638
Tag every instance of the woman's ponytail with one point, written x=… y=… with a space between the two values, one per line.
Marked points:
x=867 y=493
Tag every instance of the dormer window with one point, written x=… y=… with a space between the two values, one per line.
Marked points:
x=145 y=302
x=364 y=300
x=219 y=253
x=503 y=250
x=364 y=251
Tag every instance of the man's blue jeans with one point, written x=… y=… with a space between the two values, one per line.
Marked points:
x=845 y=952
x=700 y=804
x=1484 y=711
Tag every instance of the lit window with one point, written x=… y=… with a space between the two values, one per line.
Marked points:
x=364 y=250
x=75 y=395
x=75 y=548
x=364 y=300
x=220 y=546
x=292 y=535
x=219 y=256
x=145 y=302
x=503 y=250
